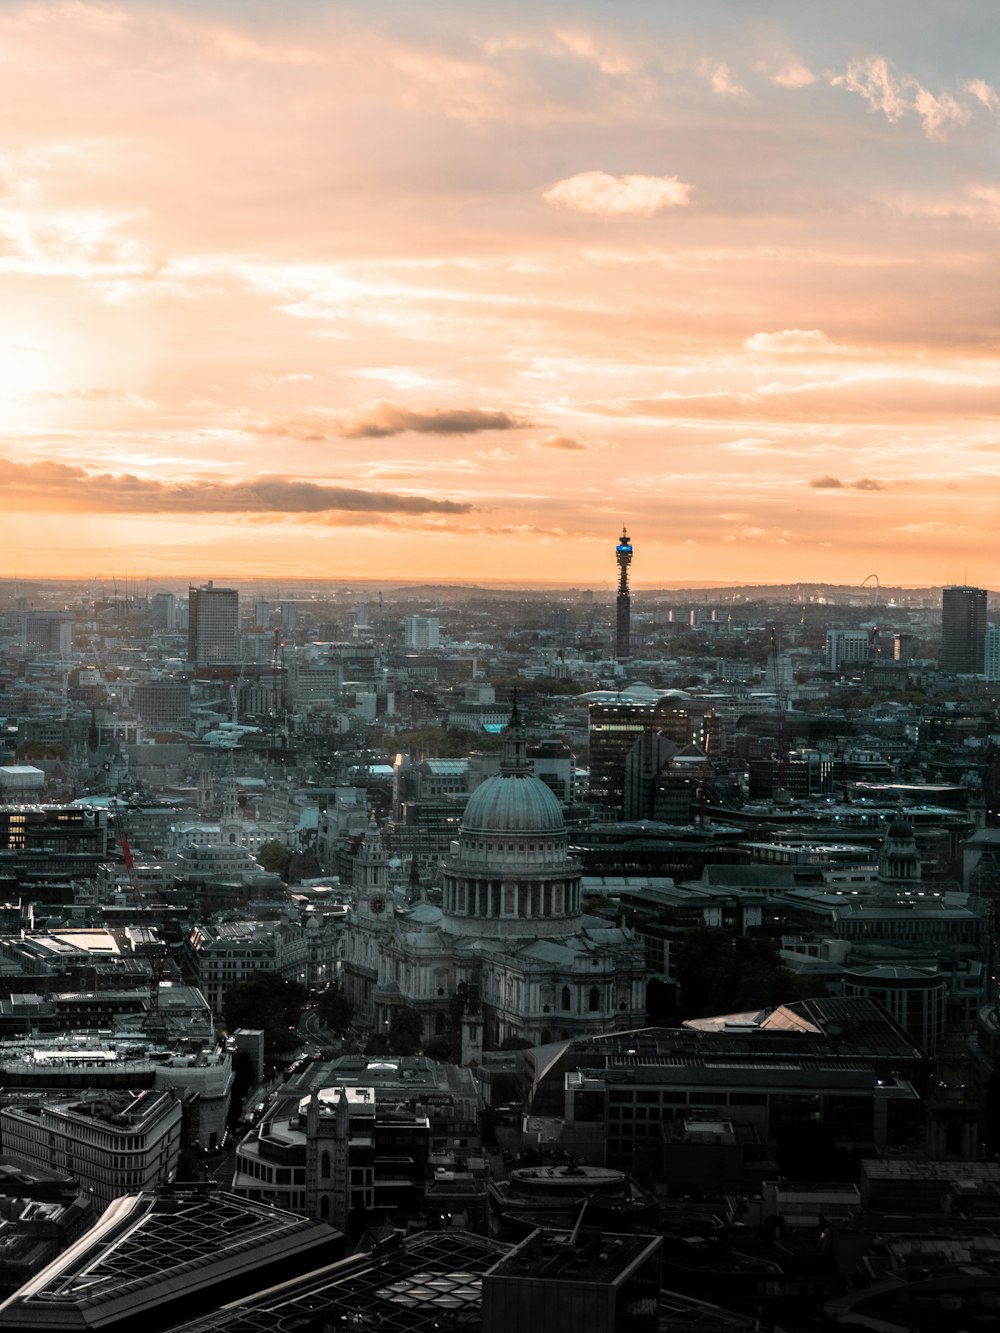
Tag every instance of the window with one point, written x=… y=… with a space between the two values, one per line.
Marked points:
x=565 y=999
x=594 y=999
x=324 y=1166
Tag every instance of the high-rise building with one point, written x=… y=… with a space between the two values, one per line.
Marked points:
x=963 y=630
x=423 y=632
x=163 y=610
x=623 y=626
x=991 y=664
x=846 y=647
x=48 y=631
x=213 y=625
x=613 y=729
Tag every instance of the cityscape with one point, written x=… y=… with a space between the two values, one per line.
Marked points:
x=499 y=667
x=417 y=954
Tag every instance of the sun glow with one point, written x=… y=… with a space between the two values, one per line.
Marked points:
x=561 y=279
x=33 y=375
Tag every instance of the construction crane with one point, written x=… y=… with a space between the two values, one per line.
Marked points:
x=154 y=1017
x=781 y=741
x=276 y=664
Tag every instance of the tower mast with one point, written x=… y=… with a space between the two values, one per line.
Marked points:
x=623 y=645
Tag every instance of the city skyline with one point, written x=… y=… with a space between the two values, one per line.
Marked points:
x=355 y=292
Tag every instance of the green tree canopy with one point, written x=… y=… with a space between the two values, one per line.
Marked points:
x=274 y=856
x=266 y=1000
x=406 y=1029
x=334 y=1010
x=721 y=973
x=29 y=750
x=514 y=1043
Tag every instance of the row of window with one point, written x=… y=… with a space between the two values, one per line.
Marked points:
x=272 y=1175
x=622 y=1101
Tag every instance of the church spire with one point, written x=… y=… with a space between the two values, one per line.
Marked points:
x=515 y=744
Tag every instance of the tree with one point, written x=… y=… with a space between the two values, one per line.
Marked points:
x=334 y=1010
x=29 y=750
x=406 y=1028
x=718 y=973
x=661 y=1002
x=514 y=1043
x=266 y=1000
x=594 y=902
x=275 y=857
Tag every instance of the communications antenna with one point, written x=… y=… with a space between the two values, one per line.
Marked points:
x=779 y=707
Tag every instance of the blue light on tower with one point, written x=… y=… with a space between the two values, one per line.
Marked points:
x=623 y=554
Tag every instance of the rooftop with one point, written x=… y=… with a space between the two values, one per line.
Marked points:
x=156 y=1252
x=412 y=1285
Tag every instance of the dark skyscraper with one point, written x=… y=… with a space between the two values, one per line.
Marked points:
x=623 y=636
x=963 y=630
x=213 y=626
x=612 y=731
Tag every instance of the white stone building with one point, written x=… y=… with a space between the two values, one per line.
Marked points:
x=113 y=1144
x=510 y=936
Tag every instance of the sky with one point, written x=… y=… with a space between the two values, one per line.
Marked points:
x=383 y=290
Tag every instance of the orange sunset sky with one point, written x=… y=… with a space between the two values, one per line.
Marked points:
x=452 y=291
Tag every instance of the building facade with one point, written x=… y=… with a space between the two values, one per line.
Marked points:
x=218 y=957
x=213 y=626
x=963 y=630
x=846 y=647
x=113 y=1144
x=613 y=729
x=510 y=943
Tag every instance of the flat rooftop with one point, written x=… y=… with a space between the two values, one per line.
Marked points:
x=413 y=1285
x=590 y=1256
x=154 y=1257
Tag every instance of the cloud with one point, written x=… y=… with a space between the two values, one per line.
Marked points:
x=835 y=484
x=388 y=419
x=793 y=74
x=856 y=397
x=618 y=196
x=725 y=82
x=939 y=113
x=897 y=95
x=96 y=395
x=568 y=442
x=984 y=93
x=583 y=46
x=269 y=380
x=383 y=419
x=873 y=81
x=47 y=487
x=792 y=341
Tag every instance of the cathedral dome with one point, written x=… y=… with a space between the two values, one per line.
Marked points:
x=509 y=872
x=513 y=803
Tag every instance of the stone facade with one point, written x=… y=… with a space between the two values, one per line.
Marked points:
x=509 y=942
